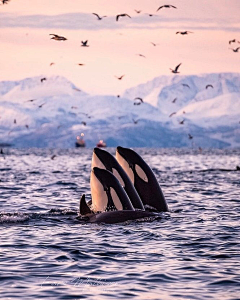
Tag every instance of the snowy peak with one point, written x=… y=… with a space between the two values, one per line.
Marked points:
x=37 y=87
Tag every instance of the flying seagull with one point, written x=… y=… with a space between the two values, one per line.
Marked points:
x=232 y=41
x=141 y=55
x=182 y=122
x=172 y=114
x=99 y=18
x=184 y=32
x=84 y=43
x=5 y=1
x=137 y=11
x=122 y=15
x=42 y=79
x=186 y=85
x=235 y=50
x=209 y=85
x=175 y=71
x=140 y=101
x=174 y=100
x=57 y=37
x=190 y=136
x=154 y=44
x=166 y=6
x=120 y=77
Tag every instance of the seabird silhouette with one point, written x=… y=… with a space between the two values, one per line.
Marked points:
x=137 y=11
x=175 y=71
x=122 y=15
x=232 y=41
x=182 y=122
x=84 y=43
x=154 y=44
x=172 y=114
x=166 y=6
x=186 y=85
x=174 y=100
x=135 y=121
x=120 y=77
x=141 y=55
x=235 y=50
x=139 y=101
x=99 y=18
x=184 y=32
x=43 y=79
x=57 y=37
x=209 y=85
x=41 y=105
x=190 y=136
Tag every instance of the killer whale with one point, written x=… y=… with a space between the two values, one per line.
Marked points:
x=105 y=160
x=107 y=192
x=110 y=202
x=142 y=178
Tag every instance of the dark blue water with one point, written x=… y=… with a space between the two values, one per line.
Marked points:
x=192 y=252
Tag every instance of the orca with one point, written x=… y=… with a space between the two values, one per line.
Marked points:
x=105 y=160
x=142 y=178
x=110 y=202
x=107 y=192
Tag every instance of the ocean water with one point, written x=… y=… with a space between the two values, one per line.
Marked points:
x=191 y=252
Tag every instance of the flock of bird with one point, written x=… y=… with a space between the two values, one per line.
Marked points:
x=137 y=100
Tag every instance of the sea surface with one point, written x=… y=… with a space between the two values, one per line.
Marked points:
x=191 y=252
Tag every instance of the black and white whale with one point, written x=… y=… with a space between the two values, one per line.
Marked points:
x=110 y=202
x=104 y=160
x=142 y=178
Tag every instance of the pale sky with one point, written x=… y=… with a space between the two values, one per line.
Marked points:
x=114 y=47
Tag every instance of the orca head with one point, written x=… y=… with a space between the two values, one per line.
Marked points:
x=132 y=163
x=107 y=192
x=104 y=160
x=142 y=178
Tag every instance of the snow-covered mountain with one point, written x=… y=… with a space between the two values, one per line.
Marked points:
x=51 y=112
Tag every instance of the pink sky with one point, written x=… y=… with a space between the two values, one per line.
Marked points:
x=27 y=50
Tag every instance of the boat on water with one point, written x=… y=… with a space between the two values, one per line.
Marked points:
x=101 y=144
x=80 y=141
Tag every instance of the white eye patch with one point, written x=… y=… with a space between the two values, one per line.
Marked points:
x=124 y=164
x=116 y=199
x=118 y=176
x=99 y=196
x=141 y=173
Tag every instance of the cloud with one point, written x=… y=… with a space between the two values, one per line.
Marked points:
x=82 y=21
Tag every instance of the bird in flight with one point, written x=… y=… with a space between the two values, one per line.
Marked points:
x=209 y=85
x=184 y=32
x=175 y=71
x=41 y=105
x=186 y=85
x=57 y=37
x=120 y=77
x=174 y=100
x=154 y=44
x=84 y=43
x=5 y=1
x=80 y=64
x=122 y=15
x=141 y=55
x=137 y=11
x=182 y=122
x=99 y=18
x=172 y=114
x=31 y=100
x=190 y=136
x=42 y=79
x=139 y=101
x=135 y=121
x=52 y=63
x=166 y=6
x=235 y=50
x=232 y=41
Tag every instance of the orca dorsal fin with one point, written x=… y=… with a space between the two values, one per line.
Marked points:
x=83 y=207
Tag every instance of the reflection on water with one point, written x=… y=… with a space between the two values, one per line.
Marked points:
x=191 y=253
